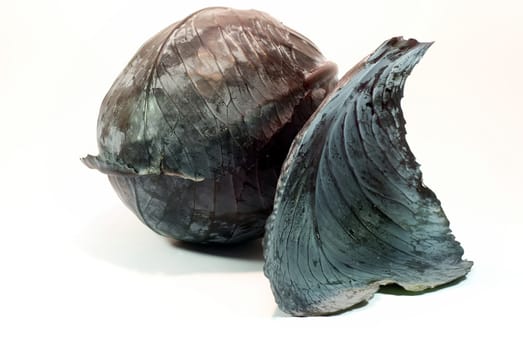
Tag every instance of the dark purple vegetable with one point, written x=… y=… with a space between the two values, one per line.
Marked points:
x=351 y=211
x=194 y=131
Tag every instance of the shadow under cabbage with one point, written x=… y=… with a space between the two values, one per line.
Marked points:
x=117 y=237
x=395 y=289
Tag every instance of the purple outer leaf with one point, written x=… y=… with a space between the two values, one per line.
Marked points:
x=351 y=211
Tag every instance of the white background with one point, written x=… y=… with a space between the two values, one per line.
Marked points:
x=78 y=270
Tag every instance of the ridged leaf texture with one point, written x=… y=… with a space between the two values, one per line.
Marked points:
x=351 y=210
